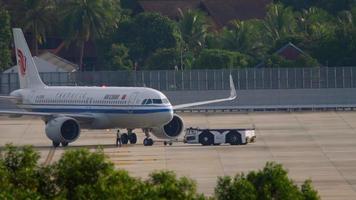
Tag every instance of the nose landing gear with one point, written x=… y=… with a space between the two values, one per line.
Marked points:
x=147 y=141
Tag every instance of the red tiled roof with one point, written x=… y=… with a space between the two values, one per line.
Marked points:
x=290 y=52
x=221 y=11
x=224 y=11
x=169 y=8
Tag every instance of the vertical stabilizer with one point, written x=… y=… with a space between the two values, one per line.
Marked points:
x=27 y=70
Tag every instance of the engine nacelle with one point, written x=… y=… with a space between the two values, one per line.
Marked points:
x=62 y=129
x=171 y=130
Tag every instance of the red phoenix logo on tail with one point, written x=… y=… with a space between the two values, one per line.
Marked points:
x=21 y=62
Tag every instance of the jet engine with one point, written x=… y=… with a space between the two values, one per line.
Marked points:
x=171 y=130
x=63 y=129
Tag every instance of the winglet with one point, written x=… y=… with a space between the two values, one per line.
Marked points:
x=233 y=93
x=232 y=96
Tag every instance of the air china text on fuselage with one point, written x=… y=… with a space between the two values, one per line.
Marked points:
x=67 y=109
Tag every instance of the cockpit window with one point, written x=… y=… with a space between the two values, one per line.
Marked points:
x=144 y=101
x=165 y=101
x=157 y=101
x=149 y=101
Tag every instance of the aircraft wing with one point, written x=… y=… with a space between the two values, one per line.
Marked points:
x=79 y=117
x=232 y=96
x=11 y=98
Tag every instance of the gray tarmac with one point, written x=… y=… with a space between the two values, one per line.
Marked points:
x=316 y=145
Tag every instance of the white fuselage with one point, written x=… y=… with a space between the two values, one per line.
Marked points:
x=111 y=107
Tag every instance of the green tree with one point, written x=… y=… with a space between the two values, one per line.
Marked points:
x=146 y=33
x=116 y=185
x=332 y=6
x=165 y=185
x=36 y=16
x=345 y=37
x=78 y=170
x=276 y=61
x=193 y=28
x=166 y=59
x=18 y=173
x=88 y=20
x=119 y=57
x=238 y=188
x=272 y=182
x=5 y=37
x=308 y=191
x=315 y=23
x=279 y=22
x=47 y=185
x=221 y=59
x=246 y=37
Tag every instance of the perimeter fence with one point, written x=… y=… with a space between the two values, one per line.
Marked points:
x=169 y=80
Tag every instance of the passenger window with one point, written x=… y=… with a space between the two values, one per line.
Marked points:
x=149 y=101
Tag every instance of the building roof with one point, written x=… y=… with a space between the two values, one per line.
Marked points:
x=59 y=62
x=221 y=11
x=169 y=8
x=288 y=52
x=224 y=11
x=48 y=62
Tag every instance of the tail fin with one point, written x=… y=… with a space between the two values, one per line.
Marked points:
x=27 y=70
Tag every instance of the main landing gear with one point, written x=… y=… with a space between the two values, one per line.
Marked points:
x=129 y=137
x=147 y=141
x=56 y=144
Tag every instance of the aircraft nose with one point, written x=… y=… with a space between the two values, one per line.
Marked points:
x=171 y=112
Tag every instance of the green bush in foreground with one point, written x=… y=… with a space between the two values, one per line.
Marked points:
x=81 y=174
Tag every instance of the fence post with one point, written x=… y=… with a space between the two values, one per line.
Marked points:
x=279 y=78
x=222 y=79
x=319 y=82
x=246 y=79
x=287 y=78
x=343 y=77
x=239 y=78
x=198 y=81
x=303 y=78
x=8 y=83
x=335 y=78
x=206 y=80
x=254 y=79
x=190 y=79
x=214 y=76
x=351 y=77
x=311 y=78
x=182 y=79
x=263 y=78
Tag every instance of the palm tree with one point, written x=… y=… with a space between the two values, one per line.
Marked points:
x=279 y=22
x=193 y=27
x=244 y=36
x=314 y=21
x=86 y=20
x=35 y=16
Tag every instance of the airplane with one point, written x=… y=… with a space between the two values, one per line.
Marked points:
x=66 y=110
